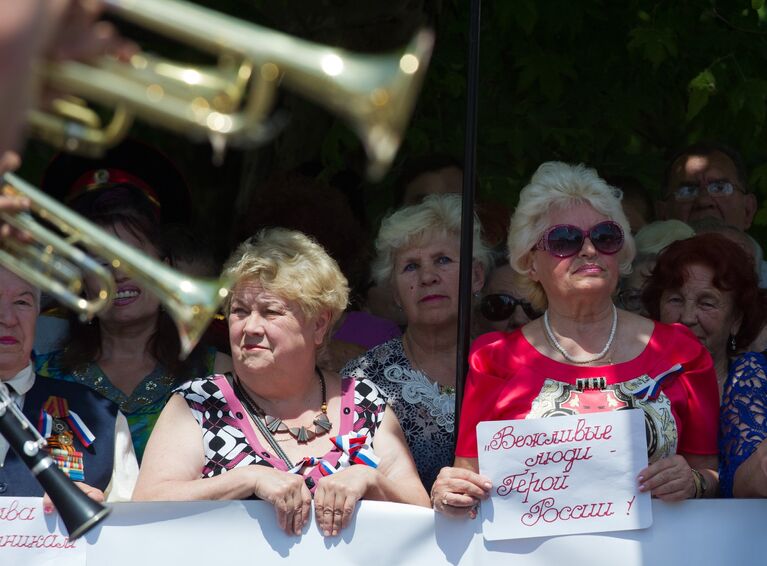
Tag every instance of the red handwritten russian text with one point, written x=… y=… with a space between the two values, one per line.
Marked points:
x=35 y=541
x=545 y=510
x=522 y=483
x=558 y=456
x=505 y=438
x=16 y=512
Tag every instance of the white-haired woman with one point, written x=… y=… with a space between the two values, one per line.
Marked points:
x=417 y=254
x=571 y=238
x=279 y=428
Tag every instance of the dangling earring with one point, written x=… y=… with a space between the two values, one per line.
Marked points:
x=733 y=346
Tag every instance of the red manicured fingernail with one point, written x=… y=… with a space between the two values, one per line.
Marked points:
x=47 y=509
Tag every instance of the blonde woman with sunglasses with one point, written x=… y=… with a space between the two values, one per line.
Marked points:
x=571 y=240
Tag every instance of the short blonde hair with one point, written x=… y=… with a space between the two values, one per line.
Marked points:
x=556 y=186
x=437 y=214
x=293 y=266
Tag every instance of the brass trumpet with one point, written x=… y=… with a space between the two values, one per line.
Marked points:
x=374 y=93
x=58 y=267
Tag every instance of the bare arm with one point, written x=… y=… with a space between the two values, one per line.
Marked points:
x=396 y=479
x=35 y=29
x=174 y=459
x=751 y=476
x=25 y=30
x=9 y=161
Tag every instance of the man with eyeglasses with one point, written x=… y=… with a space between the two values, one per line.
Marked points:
x=709 y=180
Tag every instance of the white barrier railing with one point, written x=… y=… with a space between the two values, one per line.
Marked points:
x=243 y=532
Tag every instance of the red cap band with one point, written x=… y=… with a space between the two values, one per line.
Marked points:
x=98 y=178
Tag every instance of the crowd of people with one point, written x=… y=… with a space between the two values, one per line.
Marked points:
x=327 y=383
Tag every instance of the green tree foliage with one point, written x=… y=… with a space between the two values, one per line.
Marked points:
x=616 y=85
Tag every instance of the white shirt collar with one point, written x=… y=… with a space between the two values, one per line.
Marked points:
x=23 y=381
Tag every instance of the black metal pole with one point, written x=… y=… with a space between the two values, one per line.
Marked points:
x=467 y=212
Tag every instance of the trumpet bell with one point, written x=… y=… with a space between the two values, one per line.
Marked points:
x=192 y=303
x=376 y=94
x=54 y=265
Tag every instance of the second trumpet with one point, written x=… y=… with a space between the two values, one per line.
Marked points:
x=231 y=103
x=58 y=267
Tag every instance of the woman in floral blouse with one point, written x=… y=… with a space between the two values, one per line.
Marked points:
x=417 y=254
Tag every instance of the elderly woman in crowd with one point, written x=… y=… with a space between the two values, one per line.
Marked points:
x=650 y=240
x=88 y=437
x=502 y=307
x=709 y=284
x=417 y=254
x=129 y=352
x=279 y=428
x=570 y=237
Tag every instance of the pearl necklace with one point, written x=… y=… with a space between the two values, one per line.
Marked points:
x=554 y=342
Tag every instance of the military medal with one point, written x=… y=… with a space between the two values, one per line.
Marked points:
x=59 y=426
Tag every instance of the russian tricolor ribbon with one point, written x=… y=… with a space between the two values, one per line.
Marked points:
x=58 y=408
x=356 y=450
x=652 y=389
x=45 y=425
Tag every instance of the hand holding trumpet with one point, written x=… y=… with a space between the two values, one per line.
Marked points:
x=9 y=161
x=77 y=32
x=35 y=30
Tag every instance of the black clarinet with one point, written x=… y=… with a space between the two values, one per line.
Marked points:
x=78 y=512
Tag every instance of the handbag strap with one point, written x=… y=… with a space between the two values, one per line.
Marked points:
x=257 y=419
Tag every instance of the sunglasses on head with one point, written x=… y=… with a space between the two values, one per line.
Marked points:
x=500 y=306
x=566 y=240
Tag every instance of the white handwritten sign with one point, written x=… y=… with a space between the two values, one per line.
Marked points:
x=29 y=537
x=564 y=475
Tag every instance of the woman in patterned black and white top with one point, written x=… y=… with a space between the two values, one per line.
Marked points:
x=417 y=254
x=278 y=428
